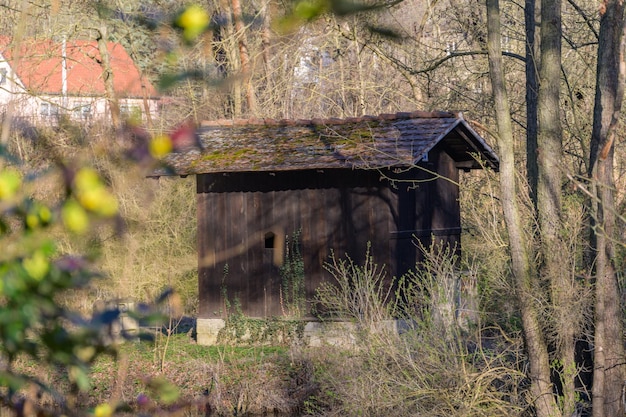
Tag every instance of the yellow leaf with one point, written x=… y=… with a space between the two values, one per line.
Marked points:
x=103 y=410
x=37 y=266
x=74 y=217
x=160 y=146
x=10 y=181
x=108 y=206
x=87 y=179
x=194 y=20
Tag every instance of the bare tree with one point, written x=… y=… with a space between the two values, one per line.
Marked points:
x=525 y=279
x=244 y=57
x=532 y=91
x=609 y=371
x=549 y=205
x=107 y=74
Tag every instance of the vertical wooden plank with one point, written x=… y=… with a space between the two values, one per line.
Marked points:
x=276 y=212
x=255 y=246
x=283 y=207
x=335 y=230
x=238 y=258
x=223 y=243
x=230 y=232
x=262 y=273
x=448 y=216
x=310 y=225
x=390 y=201
x=272 y=213
x=265 y=210
x=220 y=243
x=301 y=220
x=378 y=210
x=204 y=249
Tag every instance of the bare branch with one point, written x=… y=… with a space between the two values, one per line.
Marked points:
x=587 y=19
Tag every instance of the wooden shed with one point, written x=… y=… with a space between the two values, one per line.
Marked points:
x=332 y=184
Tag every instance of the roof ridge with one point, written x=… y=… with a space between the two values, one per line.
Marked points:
x=253 y=121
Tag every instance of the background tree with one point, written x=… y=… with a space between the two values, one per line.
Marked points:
x=609 y=368
x=523 y=271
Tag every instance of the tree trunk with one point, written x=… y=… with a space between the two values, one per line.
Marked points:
x=227 y=57
x=550 y=157
x=539 y=373
x=107 y=76
x=146 y=104
x=532 y=89
x=609 y=370
x=549 y=138
x=359 y=62
x=244 y=57
x=266 y=36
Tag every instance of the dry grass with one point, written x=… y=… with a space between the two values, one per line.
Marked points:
x=153 y=244
x=219 y=381
x=417 y=375
x=438 y=366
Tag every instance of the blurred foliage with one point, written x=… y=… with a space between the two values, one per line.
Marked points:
x=52 y=241
x=37 y=271
x=33 y=272
x=303 y=11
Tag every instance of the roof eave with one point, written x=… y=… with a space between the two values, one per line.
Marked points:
x=489 y=155
x=473 y=139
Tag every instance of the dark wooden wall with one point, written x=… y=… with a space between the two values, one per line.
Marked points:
x=342 y=210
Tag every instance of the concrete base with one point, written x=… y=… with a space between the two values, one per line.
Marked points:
x=338 y=333
x=207 y=330
x=333 y=333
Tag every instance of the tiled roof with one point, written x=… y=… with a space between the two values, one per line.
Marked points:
x=391 y=140
x=39 y=68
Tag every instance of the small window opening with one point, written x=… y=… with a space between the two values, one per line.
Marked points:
x=269 y=240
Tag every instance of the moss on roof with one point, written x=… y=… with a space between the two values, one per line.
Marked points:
x=383 y=141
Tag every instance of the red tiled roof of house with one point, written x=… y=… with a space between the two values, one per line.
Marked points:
x=39 y=63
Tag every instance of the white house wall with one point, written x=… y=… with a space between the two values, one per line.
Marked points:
x=11 y=90
x=47 y=109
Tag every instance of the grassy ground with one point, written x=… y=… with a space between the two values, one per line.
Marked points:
x=416 y=374
x=174 y=374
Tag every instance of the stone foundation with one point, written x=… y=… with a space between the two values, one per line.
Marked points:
x=207 y=330
x=315 y=334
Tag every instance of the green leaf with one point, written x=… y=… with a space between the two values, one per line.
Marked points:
x=12 y=381
x=308 y=10
x=37 y=266
x=80 y=378
x=164 y=390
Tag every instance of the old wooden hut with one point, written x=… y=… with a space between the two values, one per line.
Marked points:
x=334 y=184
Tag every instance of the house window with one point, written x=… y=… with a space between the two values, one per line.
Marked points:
x=129 y=111
x=81 y=111
x=48 y=109
x=3 y=76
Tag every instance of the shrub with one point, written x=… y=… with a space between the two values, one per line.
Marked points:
x=359 y=293
x=432 y=368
